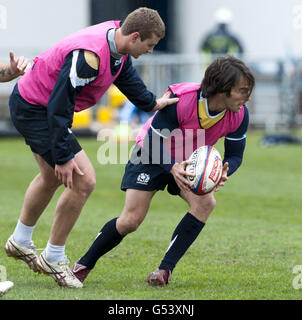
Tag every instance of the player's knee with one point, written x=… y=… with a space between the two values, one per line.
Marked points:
x=212 y=203
x=91 y=184
x=209 y=204
x=127 y=224
x=133 y=224
x=48 y=181
x=86 y=186
x=205 y=207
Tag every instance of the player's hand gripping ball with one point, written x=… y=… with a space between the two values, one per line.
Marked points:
x=206 y=164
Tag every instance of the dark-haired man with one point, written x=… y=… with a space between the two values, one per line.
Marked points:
x=203 y=114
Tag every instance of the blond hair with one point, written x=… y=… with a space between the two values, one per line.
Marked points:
x=145 y=21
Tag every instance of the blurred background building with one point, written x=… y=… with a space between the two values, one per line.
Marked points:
x=269 y=34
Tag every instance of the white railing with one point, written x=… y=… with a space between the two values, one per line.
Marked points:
x=275 y=101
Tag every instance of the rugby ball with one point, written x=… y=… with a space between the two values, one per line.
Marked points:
x=206 y=164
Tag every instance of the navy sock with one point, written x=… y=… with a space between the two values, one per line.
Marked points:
x=184 y=235
x=107 y=239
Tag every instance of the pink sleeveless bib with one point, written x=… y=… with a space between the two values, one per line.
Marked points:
x=37 y=84
x=189 y=136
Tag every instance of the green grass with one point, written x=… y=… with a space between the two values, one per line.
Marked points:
x=247 y=250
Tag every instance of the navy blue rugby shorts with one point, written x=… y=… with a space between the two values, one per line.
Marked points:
x=147 y=177
x=31 y=122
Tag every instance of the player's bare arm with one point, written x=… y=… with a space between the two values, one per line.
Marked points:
x=16 y=68
x=5 y=73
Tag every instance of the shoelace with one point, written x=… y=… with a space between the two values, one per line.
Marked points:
x=65 y=266
x=32 y=247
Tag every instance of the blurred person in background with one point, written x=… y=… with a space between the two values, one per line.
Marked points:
x=220 y=41
x=129 y=112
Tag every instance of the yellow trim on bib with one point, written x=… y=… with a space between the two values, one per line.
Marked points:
x=205 y=120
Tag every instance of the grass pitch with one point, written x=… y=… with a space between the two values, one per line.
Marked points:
x=247 y=250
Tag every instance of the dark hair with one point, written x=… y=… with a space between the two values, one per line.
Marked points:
x=145 y=21
x=222 y=75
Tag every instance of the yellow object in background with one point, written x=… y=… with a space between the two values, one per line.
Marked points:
x=82 y=119
x=104 y=114
x=116 y=97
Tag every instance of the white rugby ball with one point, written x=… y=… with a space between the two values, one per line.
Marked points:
x=206 y=164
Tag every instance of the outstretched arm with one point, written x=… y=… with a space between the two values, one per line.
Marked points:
x=16 y=68
x=132 y=86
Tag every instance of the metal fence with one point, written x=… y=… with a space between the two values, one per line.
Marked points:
x=276 y=100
